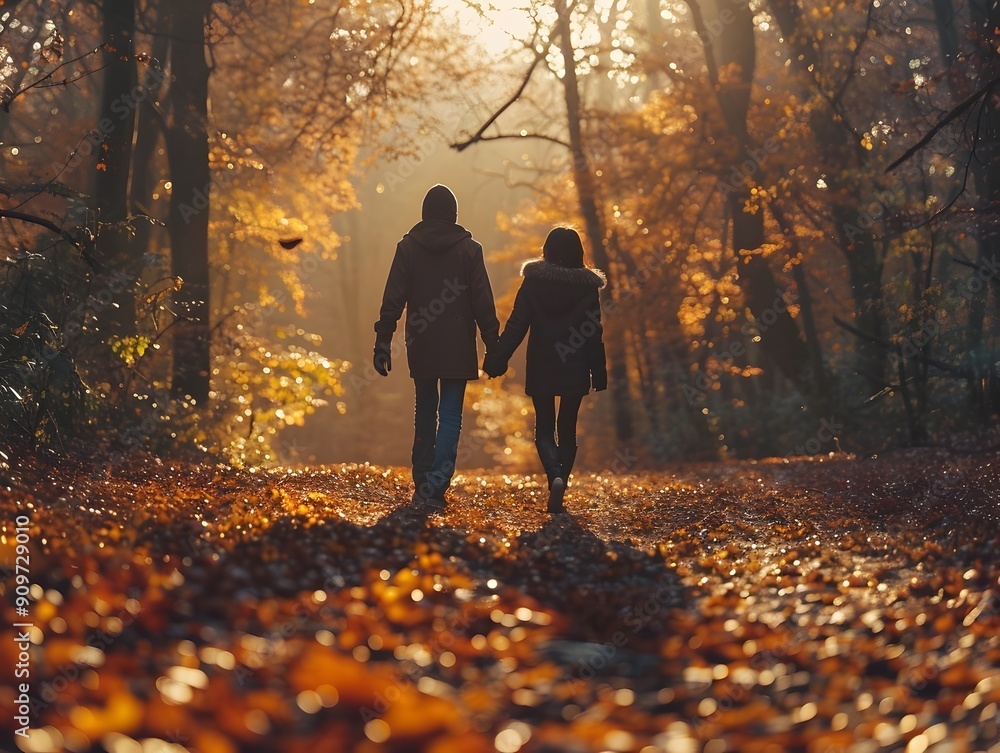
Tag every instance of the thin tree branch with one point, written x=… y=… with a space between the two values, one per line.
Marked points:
x=982 y=93
x=53 y=187
x=945 y=367
x=50 y=74
x=958 y=194
x=994 y=277
x=499 y=136
x=53 y=181
x=32 y=219
x=478 y=136
x=54 y=228
x=836 y=98
x=65 y=82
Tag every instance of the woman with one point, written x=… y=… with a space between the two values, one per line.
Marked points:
x=560 y=303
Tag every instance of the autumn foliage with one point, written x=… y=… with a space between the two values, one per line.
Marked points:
x=809 y=605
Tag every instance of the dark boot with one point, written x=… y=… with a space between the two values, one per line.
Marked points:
x=549 y=455
x=556 y=491
x=567 y=456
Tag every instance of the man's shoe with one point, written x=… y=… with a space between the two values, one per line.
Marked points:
x=438 y=503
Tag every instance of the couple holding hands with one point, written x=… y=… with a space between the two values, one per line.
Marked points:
x=439 y=276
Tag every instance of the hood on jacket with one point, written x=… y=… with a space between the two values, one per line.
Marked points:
x=437 y=235
x=545 y=270
x=439 y=204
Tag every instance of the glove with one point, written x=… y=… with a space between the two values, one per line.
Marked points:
x=494 y=366
x=382 y=360
x=599 y=379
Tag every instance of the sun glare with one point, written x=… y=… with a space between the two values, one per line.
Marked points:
x=496 y=26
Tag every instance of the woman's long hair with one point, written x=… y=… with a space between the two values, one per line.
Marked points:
x=563 y=247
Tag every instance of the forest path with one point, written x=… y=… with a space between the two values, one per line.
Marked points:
x=816 y=605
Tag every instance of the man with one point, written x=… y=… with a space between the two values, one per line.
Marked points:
x=439 y=276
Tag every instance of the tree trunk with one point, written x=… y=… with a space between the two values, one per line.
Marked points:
x=147 y=138
x=735 y=52
x=986 y=164
x=353 y=309
x=187 y=222
x=944 y=15
x=864 y=269
x=117 y=121
x=583 y=177
x=116 y=124
x=809 y=329
x=838 y=152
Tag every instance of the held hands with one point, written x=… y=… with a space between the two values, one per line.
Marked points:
x=494 y=366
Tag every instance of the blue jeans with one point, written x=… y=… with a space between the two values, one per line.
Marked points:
x=437 y=424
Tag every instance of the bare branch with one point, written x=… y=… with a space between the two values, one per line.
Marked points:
x=478 y=136
x=499 y=136
x=859 y=43
x=32 y=219
x=958 y=193
x=54 y=228
x=994 y=277
x=53 y=187
x=945 y=367
x=50 y=74
x=47 y=186
x=982 y=93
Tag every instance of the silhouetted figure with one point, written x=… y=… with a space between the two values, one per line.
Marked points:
x=560 y=303
x=439 y=276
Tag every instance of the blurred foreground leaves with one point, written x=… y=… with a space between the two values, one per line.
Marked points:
x=796 y=606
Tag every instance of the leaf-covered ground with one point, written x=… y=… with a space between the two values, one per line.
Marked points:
x=821 y=606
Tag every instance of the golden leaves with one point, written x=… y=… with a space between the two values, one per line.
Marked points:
x=130 y=349
x=302 y=609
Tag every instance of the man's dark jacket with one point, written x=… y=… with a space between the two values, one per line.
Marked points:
x=438 y=275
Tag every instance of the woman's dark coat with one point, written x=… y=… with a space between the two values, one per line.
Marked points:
x=561 y=307
x=439 y=276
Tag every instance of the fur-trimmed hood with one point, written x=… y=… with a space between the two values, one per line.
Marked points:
x=546 y=270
